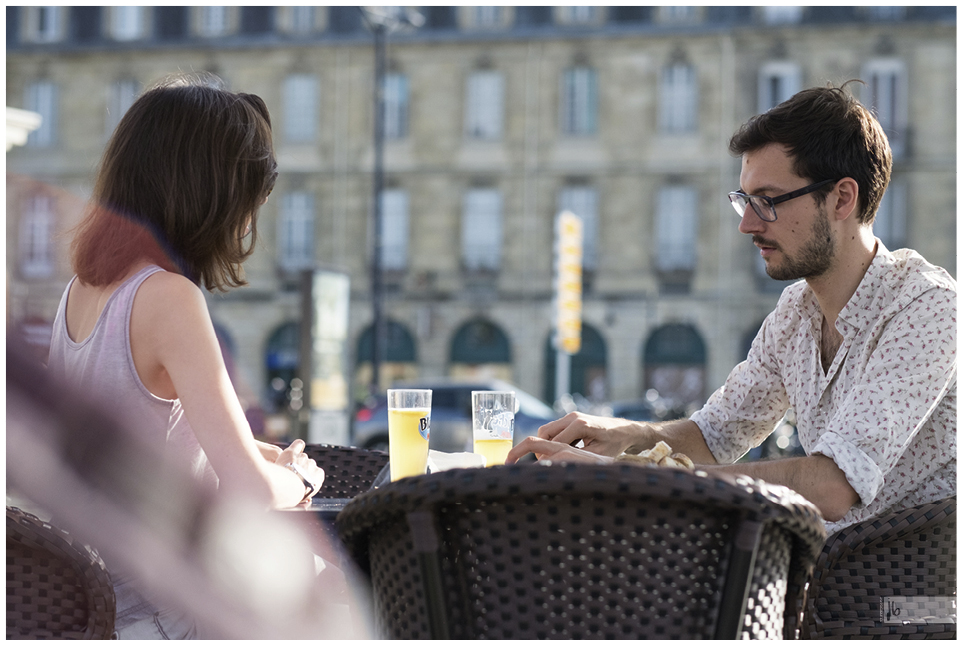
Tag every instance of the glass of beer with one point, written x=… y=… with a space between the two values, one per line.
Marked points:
x=409 y=420
x=493 y=424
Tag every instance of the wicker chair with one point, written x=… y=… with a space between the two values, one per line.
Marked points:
x=348 y=471
x=581 y=552
x=57 y=588
x=908 y=557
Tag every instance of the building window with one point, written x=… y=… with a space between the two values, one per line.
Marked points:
x=781 y=15
x=890 y=222
x=36 y=238
x=394 y=230
x=300 y=19
x=43 y=97
x=676 y=233
x=296 y=231
x=485 y=105
x=583 y=202
x=568 y=15
x=778 y=81
x=212 y=21
x=121 y=95
x=481 y=230
x=579 y=101
x=485 y=17
x=678 y=14
x=886 y=95
x=127 y=23
x=396 y=106
x=886 y=13
x=43 y=24
x=301 y=99
x=678 y=99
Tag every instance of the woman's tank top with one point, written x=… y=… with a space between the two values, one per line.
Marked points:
x=103 y=368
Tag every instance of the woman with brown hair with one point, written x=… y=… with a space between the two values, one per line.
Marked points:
x=174 y=206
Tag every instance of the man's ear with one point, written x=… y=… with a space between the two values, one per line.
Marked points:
x=846 y=197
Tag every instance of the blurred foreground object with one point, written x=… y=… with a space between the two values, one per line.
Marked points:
x=241 y=572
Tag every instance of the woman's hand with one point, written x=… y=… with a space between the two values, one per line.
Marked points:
x=295 y=455
x=268 y=451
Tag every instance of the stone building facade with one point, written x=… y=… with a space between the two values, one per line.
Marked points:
x=496 y=119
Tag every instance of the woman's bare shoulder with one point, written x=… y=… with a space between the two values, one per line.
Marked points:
x=165 y=298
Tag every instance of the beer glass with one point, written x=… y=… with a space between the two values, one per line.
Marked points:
x=493 y=424
x=409 y=419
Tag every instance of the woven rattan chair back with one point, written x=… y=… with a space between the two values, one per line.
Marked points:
x=581 y=552
x=902 y=563
x=348 y=471
x=57 y=588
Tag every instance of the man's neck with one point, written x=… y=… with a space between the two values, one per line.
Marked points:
x=835 y=287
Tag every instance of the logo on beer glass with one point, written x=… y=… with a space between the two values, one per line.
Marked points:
x=423 y=428
x=503 y=425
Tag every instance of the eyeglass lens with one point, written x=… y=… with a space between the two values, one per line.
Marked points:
x=762 y=208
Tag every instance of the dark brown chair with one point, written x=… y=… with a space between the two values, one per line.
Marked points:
x=57 y=588
x=348 y=471
x=890 y=577
x=582 y=552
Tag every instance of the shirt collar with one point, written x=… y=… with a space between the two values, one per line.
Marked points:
x=858 y=311
x=862 y=308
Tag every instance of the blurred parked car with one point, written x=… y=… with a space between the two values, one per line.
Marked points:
x=450 y=414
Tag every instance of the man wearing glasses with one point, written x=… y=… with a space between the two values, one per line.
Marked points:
x=864 y=350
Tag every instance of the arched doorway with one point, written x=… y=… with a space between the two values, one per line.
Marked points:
x=399 y=363
x=675 y=365
x=588 y=375
x=480 y=349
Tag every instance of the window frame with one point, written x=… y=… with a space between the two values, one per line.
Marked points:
x=397 y=100
x=35 y=245
x=295 y=235
x=579 y=109
x=395 y=211
x=895 y=120
x=127 y=23
x=46 y=135
x=679 y=99
x=301 y=97
x=677 y=228
x=485 y=105
x=486 y=220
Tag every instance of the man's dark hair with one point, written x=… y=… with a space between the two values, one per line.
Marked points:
x=829 y=136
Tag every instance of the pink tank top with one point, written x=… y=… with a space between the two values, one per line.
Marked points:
x=102 y=367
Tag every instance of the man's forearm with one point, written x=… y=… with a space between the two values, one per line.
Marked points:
x=817 y=478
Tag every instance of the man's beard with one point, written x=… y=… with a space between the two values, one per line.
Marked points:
x=814 y=258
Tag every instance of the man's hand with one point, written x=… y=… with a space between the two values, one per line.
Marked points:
x=600 y=435
x=553 y=451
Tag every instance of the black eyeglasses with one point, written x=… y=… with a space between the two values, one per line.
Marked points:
x=764 y=206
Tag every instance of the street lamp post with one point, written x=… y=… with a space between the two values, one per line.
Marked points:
x=381 y=21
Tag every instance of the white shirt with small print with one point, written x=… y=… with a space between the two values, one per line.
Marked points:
x=885 y=411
